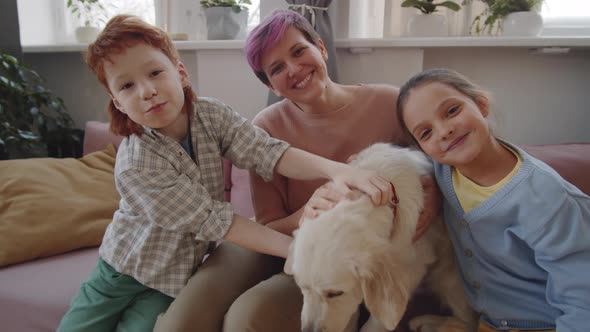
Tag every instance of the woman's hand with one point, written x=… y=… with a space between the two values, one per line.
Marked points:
x=367 y=181
x=432 y=204
x=323 y=199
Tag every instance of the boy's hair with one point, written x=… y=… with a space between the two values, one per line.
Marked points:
x=120 y=33
x=269 y=32
x=441 y=75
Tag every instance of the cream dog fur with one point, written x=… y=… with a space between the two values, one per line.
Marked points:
x=357 y=252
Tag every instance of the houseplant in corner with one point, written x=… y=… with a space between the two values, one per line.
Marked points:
x=512 y=18
x=32 y=118
x=91 y=14
x=427 y=23
x=226 y=19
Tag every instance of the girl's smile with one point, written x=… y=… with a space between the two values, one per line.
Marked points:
x=457 y=142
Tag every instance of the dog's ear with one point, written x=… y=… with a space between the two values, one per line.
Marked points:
x=288 y=268
x=385 y=297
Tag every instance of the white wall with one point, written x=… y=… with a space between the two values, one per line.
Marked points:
x=539 y=98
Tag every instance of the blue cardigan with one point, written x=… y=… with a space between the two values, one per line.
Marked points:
x=524 y=253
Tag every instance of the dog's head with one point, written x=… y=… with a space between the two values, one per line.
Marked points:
x=346 y=255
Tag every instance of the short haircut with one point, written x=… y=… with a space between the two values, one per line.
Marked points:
x=120 y=33
x=269 y=32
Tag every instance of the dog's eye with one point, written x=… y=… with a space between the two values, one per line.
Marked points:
x=333 y=293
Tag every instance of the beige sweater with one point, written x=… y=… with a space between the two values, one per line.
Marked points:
x=336 y=135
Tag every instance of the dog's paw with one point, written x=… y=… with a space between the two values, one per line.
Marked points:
x=432 y=323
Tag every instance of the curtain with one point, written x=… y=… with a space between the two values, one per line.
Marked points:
x=10 y=39
x=316 y=12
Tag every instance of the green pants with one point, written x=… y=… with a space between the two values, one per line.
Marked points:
x=112 y=301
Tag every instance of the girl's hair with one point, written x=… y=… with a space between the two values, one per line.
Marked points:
x=441 y=75
x=269 y=32
x=120 y=33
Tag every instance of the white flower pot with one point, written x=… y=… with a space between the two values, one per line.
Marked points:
x=86 y=34
x=427 y=25
x=224 y=23
x=522 y=24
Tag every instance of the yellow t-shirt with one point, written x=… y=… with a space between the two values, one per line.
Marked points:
x=470 y=194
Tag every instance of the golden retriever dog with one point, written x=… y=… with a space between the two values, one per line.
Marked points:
x=357 y=252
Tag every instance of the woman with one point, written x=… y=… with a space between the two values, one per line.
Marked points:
x=318 y=115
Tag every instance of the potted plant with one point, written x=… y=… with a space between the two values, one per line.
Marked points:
x=427 y=23
x=509 y=18
x=90 y=13
x=32 y=119
x=226 y=19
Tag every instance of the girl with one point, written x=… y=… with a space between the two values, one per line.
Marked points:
x=520 y=231
x=169 y=175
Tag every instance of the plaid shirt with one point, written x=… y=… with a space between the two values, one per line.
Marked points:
x=171 y=205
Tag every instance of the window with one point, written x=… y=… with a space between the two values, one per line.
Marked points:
x=566 y=17
x=50 y=22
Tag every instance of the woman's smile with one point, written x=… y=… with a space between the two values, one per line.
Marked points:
x=303 y=83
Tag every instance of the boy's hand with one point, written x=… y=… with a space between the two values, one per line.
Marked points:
x=432 y=203
x=369 y=182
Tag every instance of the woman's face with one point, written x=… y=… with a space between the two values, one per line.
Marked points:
x=296 y=68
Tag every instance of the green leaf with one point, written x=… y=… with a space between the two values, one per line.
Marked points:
x=450 y=5
x=411 y=3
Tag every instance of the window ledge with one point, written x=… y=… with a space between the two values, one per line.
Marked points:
x=367 y=44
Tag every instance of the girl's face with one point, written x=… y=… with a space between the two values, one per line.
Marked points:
x=147 y=86
x=449 y=126
x=296 y=68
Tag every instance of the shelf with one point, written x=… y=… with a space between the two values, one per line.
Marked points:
x=360 y=45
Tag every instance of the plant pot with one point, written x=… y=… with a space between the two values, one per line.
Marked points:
x=86 y=34
x=522 y=24
x=224 y=23
x=427 y=25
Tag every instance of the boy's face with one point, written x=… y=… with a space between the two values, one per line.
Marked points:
x=449 y=126
x=296 y=68
x=147 y=86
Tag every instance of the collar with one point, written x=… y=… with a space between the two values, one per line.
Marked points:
x=394 y=200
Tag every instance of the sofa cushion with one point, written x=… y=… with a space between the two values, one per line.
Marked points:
x=49 y=206
x=35 y=295
x=240 y=197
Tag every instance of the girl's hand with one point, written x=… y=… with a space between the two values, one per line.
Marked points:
x=369 y=182
x=432 y=204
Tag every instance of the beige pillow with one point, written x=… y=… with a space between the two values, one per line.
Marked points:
x=49 y=206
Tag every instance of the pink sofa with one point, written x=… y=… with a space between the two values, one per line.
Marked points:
x=34 y=295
